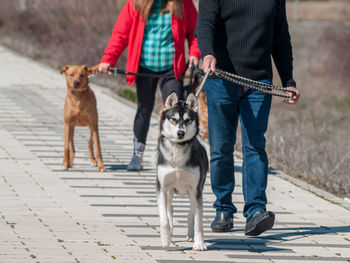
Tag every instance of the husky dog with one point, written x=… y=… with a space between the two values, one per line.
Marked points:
x=182 y=165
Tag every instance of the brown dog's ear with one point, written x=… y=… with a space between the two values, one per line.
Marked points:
x=87 y=69
x=64 y=68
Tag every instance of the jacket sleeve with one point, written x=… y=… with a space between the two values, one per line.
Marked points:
x=208 y=14
x=282 y=48
x=120 y=35
x=192 y=15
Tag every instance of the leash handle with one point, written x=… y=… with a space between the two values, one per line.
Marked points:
x=114 y=71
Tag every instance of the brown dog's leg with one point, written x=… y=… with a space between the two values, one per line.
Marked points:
x=65 y=163
x=96 y=141
x=91 y=150
x=71 y=147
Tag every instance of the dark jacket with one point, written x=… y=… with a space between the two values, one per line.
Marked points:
x=243 y=34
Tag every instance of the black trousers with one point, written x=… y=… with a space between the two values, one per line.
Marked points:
x=146 y=90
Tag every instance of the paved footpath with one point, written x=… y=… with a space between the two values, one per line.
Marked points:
x=81 y=215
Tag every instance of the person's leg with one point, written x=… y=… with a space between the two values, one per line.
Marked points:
x=254 y=113
x=168 y=84
x=222 y=101
x=146 y=88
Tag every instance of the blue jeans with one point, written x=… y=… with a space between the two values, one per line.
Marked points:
x=228 y=102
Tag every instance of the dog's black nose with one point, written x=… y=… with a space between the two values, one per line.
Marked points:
x=180 y=134
x=76 y=84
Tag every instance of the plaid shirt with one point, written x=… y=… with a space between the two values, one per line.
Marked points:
x=158 y=50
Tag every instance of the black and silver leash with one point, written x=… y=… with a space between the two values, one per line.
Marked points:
x=203 y=83
x=248 y=83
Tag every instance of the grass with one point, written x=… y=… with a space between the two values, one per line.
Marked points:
x=342 y=104
x=128 y=94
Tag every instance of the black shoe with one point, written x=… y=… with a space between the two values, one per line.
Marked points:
x=259 y=223
x=222 y=223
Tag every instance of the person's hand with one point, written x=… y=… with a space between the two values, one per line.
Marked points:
x=209 y=62
x=295 y=96
x=194 y=61
x=103 y=68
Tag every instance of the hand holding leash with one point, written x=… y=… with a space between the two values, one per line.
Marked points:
x=104 y=68
x=294 y=96
x=194 y=61
x=209 y=62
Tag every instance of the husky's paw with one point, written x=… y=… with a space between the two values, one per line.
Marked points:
x=199 y=246
x=189 y=239
x=93 y=163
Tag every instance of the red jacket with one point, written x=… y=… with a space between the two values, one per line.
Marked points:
x=129 y=30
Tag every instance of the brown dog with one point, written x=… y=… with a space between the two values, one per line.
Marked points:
x=202 y=110
x=80 y=110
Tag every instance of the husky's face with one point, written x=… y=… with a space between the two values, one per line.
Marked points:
x=179 y=122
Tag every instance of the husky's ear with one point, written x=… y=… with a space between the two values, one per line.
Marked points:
x=171 y=101
x=191 y=102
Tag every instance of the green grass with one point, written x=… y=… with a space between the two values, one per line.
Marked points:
x=342 y=105
x=128 y=94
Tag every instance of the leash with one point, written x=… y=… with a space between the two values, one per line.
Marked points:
x=248 y=83
x=203 y=83
x=116 y=71
x=245 y=82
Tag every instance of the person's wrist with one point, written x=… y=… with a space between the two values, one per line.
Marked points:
x=209 y=56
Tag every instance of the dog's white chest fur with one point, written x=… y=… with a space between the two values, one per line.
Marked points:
x=180 y=180
x=175 y=174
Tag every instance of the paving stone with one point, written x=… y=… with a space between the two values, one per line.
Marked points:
x=81 y=215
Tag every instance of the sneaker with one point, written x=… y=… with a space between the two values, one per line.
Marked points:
x=259 y=223
x=222 y=223
x=135 y=163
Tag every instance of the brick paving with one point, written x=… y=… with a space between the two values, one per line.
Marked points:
x=81 y=215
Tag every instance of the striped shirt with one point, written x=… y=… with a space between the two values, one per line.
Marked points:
x=158 y=52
